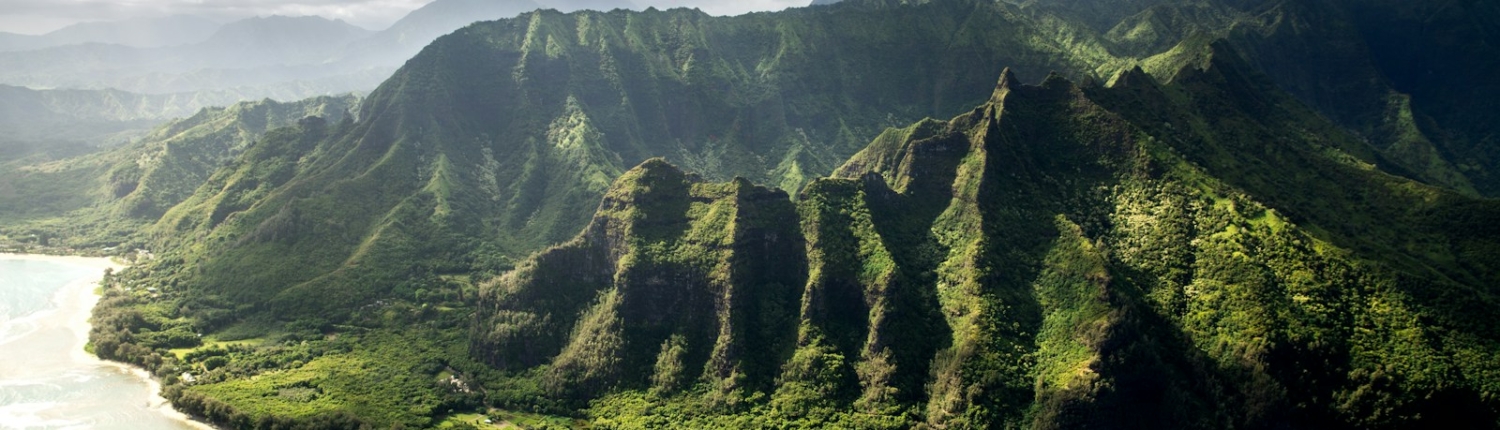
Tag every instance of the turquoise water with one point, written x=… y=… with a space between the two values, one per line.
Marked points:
x=46 y=380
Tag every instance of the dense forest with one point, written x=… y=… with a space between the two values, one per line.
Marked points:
x=870 y=214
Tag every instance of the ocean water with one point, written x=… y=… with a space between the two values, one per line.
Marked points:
x=47 y=381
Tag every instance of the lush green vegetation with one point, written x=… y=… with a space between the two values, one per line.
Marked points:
x=401 y=363
x=1147 y=289
x=87 y=199
x=1186 y=246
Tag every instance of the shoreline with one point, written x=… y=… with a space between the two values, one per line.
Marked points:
x=99 y=262
x=76 y=301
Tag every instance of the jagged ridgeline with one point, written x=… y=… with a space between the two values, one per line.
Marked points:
x=498 y=140
x=495 y=141
x=1201 y=254
x=1409 y=77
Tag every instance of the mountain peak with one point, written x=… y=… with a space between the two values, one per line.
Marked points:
x=653 y=169
x=1007 y=82
x=1131 y=77
x=1056 y=80
x=650 y=177
x=656 y=163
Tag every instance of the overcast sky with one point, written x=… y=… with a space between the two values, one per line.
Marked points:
x=41 y=16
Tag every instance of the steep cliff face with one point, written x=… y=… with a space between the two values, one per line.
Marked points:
x=674 y=280
x=1141 y=254
x=1137 y=255
x=498 y=139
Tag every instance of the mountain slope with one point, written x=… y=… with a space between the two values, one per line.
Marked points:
x=670 y=260
x=404 y=38
x=473 y=169
x=96 y=197
x=1061 y=256
x=1451 y=101
x=91 y=117
x=1352 y=61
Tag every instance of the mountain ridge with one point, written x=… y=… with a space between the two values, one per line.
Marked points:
x=1076 y=294
x=588 y=135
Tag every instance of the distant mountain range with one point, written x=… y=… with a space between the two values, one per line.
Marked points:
x=105 y=83
x=256 y=52
x=140 y=33
x=95 y=118
x=286 y=58
x=145 y=170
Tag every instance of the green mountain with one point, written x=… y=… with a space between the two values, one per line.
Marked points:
x=440 y=176
x=1060 y=256
x=94 y=118
x=703 y=278
x=454 y=167
x=774 y=98
x=1237 y=216
x=1450 y=97
x=93 y=197
x=1400 y=75
x=407 y=36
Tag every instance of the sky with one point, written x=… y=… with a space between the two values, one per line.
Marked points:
x=41 y=16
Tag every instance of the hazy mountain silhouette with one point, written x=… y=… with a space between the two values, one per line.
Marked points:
x=155 y=32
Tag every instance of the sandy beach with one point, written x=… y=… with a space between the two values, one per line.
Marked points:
x=75 y=302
